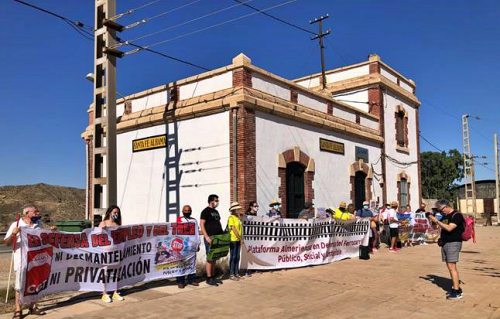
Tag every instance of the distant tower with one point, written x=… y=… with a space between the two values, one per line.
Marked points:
x=470 y=181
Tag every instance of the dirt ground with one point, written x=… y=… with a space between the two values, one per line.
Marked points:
x=410 y=284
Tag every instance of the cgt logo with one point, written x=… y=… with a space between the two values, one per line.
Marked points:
x=34 y=289
x=38 y=270
x=177 y=245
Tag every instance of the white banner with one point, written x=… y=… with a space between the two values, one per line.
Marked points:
x=105 y=259
x=288 y=243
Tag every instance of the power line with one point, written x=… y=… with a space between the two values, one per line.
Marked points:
x=428 y=142
x=209 y=27
x=186 y=22
x=73 y=23
x=145 y=20
x=275 y=18
x=167 y=56
x=130 y=11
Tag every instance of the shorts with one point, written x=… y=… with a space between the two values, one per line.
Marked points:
x=17 y=284
x=450 y=251
x=394 y=232
x=207 y=246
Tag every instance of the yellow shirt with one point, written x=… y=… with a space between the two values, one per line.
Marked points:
x=341 y=215
x=236 y=222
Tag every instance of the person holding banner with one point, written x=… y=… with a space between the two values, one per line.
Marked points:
x=30 y=219
x=275 y=206
x=236 y=230
x=210 y=226
x=186 y=218
x=112 y=218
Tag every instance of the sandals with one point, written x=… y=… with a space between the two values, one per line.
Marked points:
x=17 y=315
x=36 y=311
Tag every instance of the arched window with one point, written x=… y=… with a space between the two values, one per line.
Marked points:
x=401 y=127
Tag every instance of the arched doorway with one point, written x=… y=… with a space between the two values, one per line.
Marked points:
x=359 y=189
x=361 y=183
x=295 y=196
x=296 y=173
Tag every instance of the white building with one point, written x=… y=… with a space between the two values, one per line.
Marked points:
x=246 y=134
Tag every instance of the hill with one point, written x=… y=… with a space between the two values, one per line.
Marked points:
x=56 y=203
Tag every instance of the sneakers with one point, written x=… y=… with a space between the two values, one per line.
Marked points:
x=218 y=281
x=393 y=250
x=181 y=285
x=194 y=283
x=212 y=282
x=106 y=298
x=455 y=294
x=117 y=296
x=232 y=277
x=374 y=250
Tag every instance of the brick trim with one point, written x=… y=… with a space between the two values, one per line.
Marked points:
x=401 y=115
x=242 y=78
x=404 y=176
x=419 y=165
x=246 y=156
x=376 y=105
x=295 y=155
x=356 y=167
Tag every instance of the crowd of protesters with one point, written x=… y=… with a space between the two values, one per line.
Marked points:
x=386 y=224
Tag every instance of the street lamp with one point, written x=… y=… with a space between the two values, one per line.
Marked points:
x=90 y=77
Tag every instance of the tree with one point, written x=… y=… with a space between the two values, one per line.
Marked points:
x=440 y=172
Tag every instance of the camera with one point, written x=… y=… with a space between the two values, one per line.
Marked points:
x=427 y=214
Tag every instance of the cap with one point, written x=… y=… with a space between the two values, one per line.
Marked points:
x=394 y=203
x=343 y=205
x=308 y=204
x=274 y=202
x=234 y=206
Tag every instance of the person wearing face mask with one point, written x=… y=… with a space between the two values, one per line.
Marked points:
x=113 y=219
x=186 y=218
x=341 y=212
x=275 y=206
x=29 y=219
x=210 y=226
x=252 y=209
x=365 y=212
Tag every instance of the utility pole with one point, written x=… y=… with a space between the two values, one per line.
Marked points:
x=497 y=179
x=320 y=36
x=470 y=183
x=103 y=188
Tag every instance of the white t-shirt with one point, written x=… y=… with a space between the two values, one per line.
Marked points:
x=388 y=213
x=17 y=253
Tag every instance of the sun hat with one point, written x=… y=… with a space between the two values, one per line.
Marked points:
x=234 y=206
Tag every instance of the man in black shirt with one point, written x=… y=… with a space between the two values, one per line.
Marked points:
x=210 y=225
x=452 y=227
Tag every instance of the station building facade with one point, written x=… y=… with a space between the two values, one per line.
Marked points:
x=246 y=134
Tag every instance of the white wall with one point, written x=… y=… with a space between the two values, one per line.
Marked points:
x=141 y=180
x=268 y=85
x=348 y=74
x=389 y=75
x=309 y=82
x=332 y=176
x=393 y=169
x=312 y=102
x=352 y=99
x=205 y=86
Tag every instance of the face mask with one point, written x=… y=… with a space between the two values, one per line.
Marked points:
x=187 y=215
x=114 y=218
x=365 y=206
x=342 y=209
x=276 y=207
x=216 y=204
x=35 y=219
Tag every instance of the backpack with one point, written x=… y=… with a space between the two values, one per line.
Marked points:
x=469 y=231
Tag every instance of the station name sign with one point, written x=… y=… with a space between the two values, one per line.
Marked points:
x=149 y=143
x=331 y=146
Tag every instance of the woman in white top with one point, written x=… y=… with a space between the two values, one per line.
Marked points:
x=112 y=218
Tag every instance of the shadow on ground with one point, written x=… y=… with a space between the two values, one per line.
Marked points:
x=441 y=282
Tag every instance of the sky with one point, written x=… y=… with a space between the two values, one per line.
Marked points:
x=451 y=50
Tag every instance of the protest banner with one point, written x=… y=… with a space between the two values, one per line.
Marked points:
x=101 y=259
x=289 y=243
